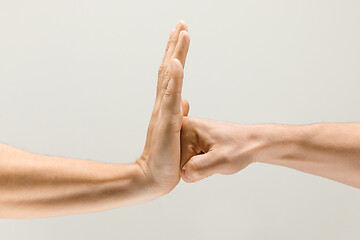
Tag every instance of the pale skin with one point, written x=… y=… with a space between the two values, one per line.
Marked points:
x=34 y=186
x=330 y=150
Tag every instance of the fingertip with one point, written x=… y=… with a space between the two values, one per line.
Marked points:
x=185 y=107
x=184 y=38
x=182 y=25
x=185 y=177
x=172 y=32
x=182 y=47
x=184 y=35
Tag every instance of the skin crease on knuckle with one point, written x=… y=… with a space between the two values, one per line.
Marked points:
x=161 y=70
x=192 y=171
x=191 y=133
x=189 y=140
x=226 y=163
x=173 y=125
x=189 y=152
x=165 y=82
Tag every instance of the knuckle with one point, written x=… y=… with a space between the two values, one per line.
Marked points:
x=224 y=158
x=192 y=170
x=167 y=92
x=170 y=92
x=172 y=40
x=225 y=163
x=174 y=126
x=189 y=138
x=166 y=73
x=188 y=128
x=161 y=70
x=170 y=123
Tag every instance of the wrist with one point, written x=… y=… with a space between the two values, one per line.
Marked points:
x=126 y=182
x=252 y=141
x=276 y=142
x=146 y=180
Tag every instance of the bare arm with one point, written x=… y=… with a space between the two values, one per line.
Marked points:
x=330 y=150
x=32 y=185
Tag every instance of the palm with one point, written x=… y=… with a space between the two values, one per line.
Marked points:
x=161 y=157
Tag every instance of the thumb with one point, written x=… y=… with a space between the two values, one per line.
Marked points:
x=201 y=166
x=185 y=107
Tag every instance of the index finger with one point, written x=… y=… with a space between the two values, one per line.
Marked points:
x=182 y=47
x=173 y=40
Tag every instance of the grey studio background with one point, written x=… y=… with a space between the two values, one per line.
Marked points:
x=77 y=79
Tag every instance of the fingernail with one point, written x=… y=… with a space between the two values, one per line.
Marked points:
x=186 y=176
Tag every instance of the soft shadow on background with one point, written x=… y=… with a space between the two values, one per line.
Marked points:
x=77 y=79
